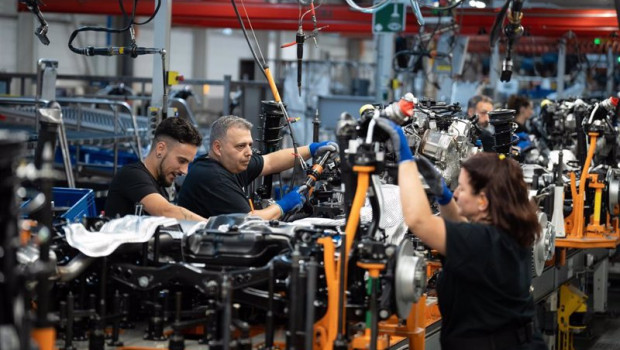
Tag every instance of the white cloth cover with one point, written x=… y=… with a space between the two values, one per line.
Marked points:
x=128 y=229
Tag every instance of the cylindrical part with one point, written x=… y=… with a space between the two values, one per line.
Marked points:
x=227 y=314
x=13 y=146
x=104 y=280
x=374 y=315
x=502 y=121
x=271 y=117
x=598 y=200
x=177 y=309
x=117 y=319
x=341 y=288
x=311 y=290
x=316 y=126
x=293 y=302
x=69 y=324
x=269 y=317
x=44 y=216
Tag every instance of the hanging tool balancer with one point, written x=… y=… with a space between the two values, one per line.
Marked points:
x=300 y=39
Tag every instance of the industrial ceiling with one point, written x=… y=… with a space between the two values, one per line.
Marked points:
x=551 y=19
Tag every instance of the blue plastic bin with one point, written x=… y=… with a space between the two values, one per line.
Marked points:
x=80 y=201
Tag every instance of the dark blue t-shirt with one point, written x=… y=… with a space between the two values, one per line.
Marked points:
x=209 y=189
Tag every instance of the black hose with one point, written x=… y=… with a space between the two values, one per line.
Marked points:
x=264 y=67
x=85 y=50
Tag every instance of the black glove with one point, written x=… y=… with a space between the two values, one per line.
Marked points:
x=434 y=180
x=398 y=138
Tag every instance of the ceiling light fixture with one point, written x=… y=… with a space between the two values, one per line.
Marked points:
x=477 y=4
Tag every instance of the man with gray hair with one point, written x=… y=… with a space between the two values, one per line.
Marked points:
x=479 y=107
x=217 y=183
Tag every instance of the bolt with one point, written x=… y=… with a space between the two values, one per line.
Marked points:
x=383 y=313
x=143 y=281
x=212 y=287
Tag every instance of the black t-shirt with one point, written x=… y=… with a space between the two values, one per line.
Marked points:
x=484 y=286
x=132 y=183
x=209 y=189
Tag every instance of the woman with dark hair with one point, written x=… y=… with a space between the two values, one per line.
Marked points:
x=524 y=110
x=484 y=234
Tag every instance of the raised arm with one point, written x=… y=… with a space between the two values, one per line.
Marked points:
x=440 y=192
x=416 y=208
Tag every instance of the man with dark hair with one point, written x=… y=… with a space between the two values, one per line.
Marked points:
x=142 y=185
x=524 y=110
x=217 y=183
x=479 y=106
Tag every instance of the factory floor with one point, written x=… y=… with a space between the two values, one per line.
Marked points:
x=604 y=330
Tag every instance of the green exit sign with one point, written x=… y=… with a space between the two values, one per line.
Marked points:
x=390 y=19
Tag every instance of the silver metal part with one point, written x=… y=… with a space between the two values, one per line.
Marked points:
x=548 y=234
x=410 y=278
x=443 y=148
x=538 y=250
x=544 y=247
x=613 y=188
x=30 y=254
x=74 y=268
x=435 y=145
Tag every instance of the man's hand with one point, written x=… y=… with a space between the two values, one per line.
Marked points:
x=291 y=201
x=398 y=138
x=317 y=149
x=434 y=180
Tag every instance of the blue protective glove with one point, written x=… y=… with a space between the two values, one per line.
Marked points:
x=446 y=195
x=293 y=200
x=434 y=180
x=319 y=148
x=398 y=138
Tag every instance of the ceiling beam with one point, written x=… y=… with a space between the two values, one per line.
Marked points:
x=342 y=19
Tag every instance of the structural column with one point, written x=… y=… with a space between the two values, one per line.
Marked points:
x=561 y=68
x=26 y=50
x=161 y=39
x=385 y=47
